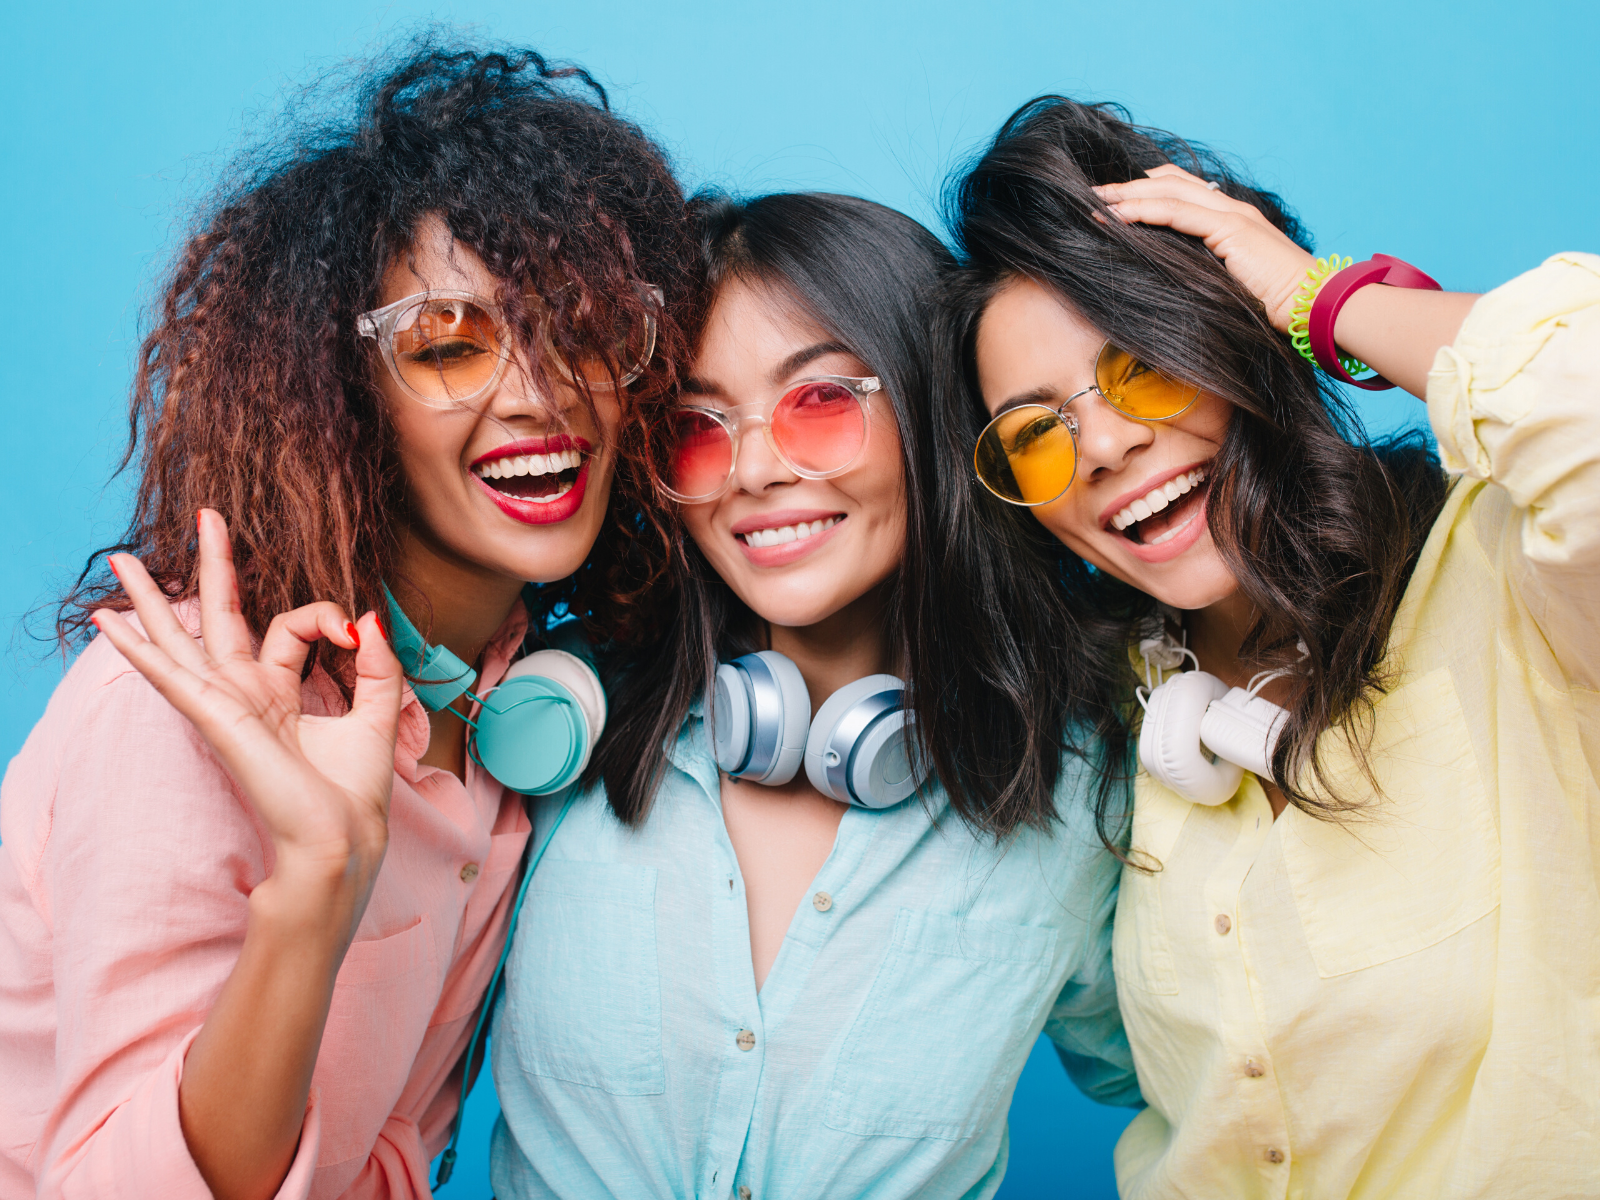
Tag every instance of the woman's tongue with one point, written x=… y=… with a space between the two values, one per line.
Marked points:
x=530 y=487
x=1170 y=517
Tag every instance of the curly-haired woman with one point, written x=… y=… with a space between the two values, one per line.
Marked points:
x=408 y=351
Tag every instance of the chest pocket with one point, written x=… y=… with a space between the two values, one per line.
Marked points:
x=944 y=1029
x=1423 y=864
x=1141 y=952
x=583 y=984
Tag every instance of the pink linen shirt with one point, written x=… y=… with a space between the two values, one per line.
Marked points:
x=127 y=858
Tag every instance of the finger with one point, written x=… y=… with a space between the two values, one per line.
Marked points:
x=161 y=624
x=1185 y=216
x=291 y=635
x=1171 y=187
x=1175 y=171
x=378 y=680
x=222 y=626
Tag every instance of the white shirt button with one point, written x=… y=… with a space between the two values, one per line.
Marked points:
x=822 y=902
x=1253 y=1069
x=746 y=1040
x=469 y=872
x=1224 y=924
x=1274 y=1155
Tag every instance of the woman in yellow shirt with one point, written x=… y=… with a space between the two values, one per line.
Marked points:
x=1380 y=974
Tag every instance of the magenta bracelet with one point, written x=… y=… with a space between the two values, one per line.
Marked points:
x=1380 y=268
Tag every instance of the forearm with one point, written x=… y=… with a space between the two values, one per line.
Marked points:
x=1398 y=331
x=247 y=1076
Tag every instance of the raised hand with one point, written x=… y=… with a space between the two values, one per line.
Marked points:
x=321 y=784
x=1255 y=252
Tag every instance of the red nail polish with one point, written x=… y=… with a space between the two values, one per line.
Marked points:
x=350 y=631
x=112 y=563
x=382 y=632
x=95 y=621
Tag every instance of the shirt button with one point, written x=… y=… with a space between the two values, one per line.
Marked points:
x=744 y=1192
x=1224 y=924
x=469 y=872
x=822 y=902
x=1253 y=1069
x=746 y=1040
x=1274 y=1155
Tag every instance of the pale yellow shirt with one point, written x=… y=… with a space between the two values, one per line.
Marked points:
x=1408 y=1005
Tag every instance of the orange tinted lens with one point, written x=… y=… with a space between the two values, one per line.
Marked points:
x=447 y=351
x=1139 y=390
x=702 y=456
x=820 y=427
x=620 y=359
x=1026 y=455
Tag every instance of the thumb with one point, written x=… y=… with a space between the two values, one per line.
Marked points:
x=379 y=680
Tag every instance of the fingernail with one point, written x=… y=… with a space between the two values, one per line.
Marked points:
x=350 y=632
x=382 y=632
x=112 y=563
x=94 y=619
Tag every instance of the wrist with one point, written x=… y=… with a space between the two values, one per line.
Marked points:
x=312 y=895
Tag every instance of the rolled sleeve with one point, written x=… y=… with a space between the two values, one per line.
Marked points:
x=1516 y=402
x=142 y=1140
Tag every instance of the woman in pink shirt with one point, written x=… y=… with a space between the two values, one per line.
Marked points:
x=409 y=350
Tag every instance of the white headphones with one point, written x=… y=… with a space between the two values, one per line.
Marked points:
x=1199 y=735
x=857 y=749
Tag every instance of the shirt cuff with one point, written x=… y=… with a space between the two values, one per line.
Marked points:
x=140 y=1150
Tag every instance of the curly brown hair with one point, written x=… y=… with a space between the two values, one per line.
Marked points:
x=255 y=396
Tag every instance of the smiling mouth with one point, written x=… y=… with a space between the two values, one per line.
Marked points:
x=1163 y=512
x=758 y=539
x=540 y=478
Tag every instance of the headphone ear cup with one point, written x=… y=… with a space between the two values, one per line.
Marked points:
x=539 y=725
x=760 y=711
x=861 y=748
x=1244 y=729
x=1169 y=740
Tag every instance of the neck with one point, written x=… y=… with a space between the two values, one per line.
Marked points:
x=843 y=647
x=455 y=604
x=1216 y=633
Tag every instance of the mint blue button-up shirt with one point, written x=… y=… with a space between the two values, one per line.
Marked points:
x=634 y=1057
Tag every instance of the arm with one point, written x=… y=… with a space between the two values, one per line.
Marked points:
x=320 y=787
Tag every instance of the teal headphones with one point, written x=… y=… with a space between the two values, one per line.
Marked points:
x=534 y=731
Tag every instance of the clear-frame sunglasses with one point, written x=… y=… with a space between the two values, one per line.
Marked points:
x=1028 y=455
x=447 y=348
x=817 y=428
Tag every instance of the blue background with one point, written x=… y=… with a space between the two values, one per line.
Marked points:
x=1462 y=136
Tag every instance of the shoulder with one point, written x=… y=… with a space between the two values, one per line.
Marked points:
x=111 y=763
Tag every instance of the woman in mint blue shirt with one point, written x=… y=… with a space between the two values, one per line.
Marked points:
x=724 y=988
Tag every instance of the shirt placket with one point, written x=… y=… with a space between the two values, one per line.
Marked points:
x=1264 y=1126
x=741 y=1042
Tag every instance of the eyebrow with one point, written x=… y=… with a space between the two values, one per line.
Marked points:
x=696 y=386
x=1045 y=395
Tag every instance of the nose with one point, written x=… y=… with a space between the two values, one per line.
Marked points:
x=756 y=466
x=1107 y=438
x=519 y=394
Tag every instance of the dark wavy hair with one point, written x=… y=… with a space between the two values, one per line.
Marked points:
x=254 y=394
x=869 y=277
x=1320 y=526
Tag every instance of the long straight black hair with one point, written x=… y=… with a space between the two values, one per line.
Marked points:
x=870 y=277
x=1320 y=526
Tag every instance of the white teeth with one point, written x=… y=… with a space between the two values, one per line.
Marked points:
x=1157 y=499
x=782 y=534
x=531 y=464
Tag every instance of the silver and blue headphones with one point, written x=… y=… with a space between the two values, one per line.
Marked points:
x=1199 y=736
x=858 y=749
x=534 y=731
